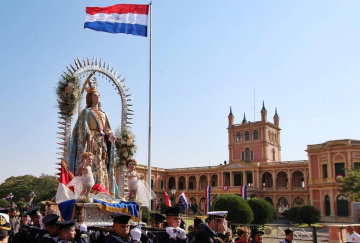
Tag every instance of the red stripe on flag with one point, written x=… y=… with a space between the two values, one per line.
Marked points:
x=120 y=9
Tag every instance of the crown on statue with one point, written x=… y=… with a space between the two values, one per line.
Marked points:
x=89 y=85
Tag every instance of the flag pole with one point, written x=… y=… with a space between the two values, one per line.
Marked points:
x=150 y=90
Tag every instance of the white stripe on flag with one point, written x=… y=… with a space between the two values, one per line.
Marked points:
x=129 y=18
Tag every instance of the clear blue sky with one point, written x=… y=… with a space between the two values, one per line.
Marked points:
x=301 y=57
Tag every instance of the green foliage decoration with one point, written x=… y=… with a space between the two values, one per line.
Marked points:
x=309 y=214
x=125 y=145
x=68 y=94
x=263 y=211
x=239 y=210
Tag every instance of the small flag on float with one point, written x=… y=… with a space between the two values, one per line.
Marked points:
x=167 y=198
x=208 y=199
x=184 y=200
x=243 y=192
x=121 y=18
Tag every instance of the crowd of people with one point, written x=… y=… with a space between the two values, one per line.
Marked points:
x=32 y=227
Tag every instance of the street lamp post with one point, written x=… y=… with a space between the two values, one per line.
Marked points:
x=173 y=192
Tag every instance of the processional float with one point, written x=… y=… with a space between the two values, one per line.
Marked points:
x=70 y=92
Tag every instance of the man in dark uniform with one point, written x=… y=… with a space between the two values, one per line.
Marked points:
x=122 y=233
x=192 y=235
x=4 y=228
x=52 y=234
x=173 y=234
x=215 y=230
x=29 y=233
x=157 y=220
x=67 y=233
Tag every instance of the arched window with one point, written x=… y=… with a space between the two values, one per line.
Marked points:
x=238 y=137
x=342 y=206
x=256 y=134
x=247 y=135
x=327 y=206
x=247 y=155
x=273 y=152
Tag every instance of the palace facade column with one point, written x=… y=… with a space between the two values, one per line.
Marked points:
x=231 y=178
x=274 y=180
x=209 y=180
x=187 y=182
x=244 y=178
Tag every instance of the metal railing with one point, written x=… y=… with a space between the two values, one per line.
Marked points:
x=276 y=231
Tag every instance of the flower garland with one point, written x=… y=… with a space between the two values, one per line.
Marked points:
x=125 y=146
x=68 y=92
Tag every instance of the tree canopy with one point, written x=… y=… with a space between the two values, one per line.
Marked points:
x=44 y=186
x=263 y=211
x=309 y=214
x=350 y=185
x=238 y=209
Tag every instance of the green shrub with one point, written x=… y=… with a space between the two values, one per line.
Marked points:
x=4 y=203
x=263 y=211
x=239 y=210
x=293 y=214
x=309 y=214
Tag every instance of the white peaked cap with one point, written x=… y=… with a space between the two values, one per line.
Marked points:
x=218 y=214
x=5 y=216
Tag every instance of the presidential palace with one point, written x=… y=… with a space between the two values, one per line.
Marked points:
x=255 y=161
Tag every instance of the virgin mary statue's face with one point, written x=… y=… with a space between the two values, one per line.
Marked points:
x=95 y=98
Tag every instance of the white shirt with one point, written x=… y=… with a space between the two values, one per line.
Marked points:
x=354 y=237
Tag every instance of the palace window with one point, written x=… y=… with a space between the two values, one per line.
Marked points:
x=342 y=206
x=152 y=183
x=247 y=135
x=356 y=166
x=327 y=206
x=181 y=185
x=238 y=137
x=324 y=170
x=256 y=134
x=340 y=169
x=273 y=154
x=162 y=184
x=242 y=156
x=191 y=185
x=247 y=155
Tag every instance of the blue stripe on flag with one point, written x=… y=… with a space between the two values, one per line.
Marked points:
x=133 y=29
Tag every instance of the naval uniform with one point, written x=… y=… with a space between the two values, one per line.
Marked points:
x=207 y=235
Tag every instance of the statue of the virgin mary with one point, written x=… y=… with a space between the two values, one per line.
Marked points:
x=92 y=133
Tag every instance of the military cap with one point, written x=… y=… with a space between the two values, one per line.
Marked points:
x=197 y=221
x=121 y=218
x=33 y=211
x=217 y=215
x=66 y=224
x=4 y=210
x=173 y=211
x=4 y=225
x=50 y=219
x=157 y=217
